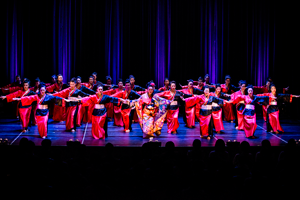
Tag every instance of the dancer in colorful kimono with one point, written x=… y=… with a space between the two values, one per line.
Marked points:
x=42 y=112
x=82 y=110
x=240 y=106
x=59 y=112
x=206 y=119
x=151 y=112
x=23 y=111
x=99 y=122
x=273 y=124
x=228 y=108
x=191 y=111
x=71 y=93
x=167 y=85
x=249 y=115
x=173 y=111
x=127 y=111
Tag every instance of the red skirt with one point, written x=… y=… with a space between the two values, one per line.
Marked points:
x=59 y=113
x=172 y=120
x=70 y=117
x=98 y=123
x=190 y=116
x=88 y=113
x=197 y=112
x=250 y=125
x=125 y=115
x=34 y=108
x=42 y=122
x=265 y=113
x=80 y=114
x=228 y=112
x=118 y=116
x=109 y=110
x=204 y=125
x=217 y=118
x=25 y=116
x=240 y=117
x=274 y=121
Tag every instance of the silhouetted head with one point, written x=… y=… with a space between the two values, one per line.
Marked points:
x=46 y=143
x=196 y=143
x=220 y=145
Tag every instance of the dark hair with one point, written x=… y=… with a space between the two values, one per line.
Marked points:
x=218 y=85
x=166 y=79
x=200 y=78
x=272 y=85
x=59 y=75
x=99 y=85
x=91 y=77
x=26 y=80
x=190 y=80
x=206 y=75
x=74 y=80
x=127 y=81
x=54 y=76
x=150 y=84
x=205 y=87
x=78 y=77
x=37 y=79
x=94 y=73
x=42 y=84
x=120 y=80
x=173 y=82
x=197 y=143
x=242 y=82
x=108 y=78
x=131 y=76
x=18 y=76
x=227 y=77
x=220 y=145
x=250 y=86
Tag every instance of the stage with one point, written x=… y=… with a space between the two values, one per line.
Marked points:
x=11 y=129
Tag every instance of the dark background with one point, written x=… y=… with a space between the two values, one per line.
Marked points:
x=243 y=27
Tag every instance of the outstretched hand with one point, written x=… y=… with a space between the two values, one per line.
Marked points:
x=17 y=99
x=182 y=98
x=3 y=97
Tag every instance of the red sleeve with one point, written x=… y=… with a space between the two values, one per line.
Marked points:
x=263 y=94
x=108 y=92
x=63 y=94
x=162 y=89
x=191 y=101
x=51 y=88
x=14 y=89
x=184 y=87
x=26 y=101
x=291 y=98
x=13 y=95
x=118 y=95
x=141 y=92
x=238 y=98
x=162 y=94
x=85 y=84
x=86 y=101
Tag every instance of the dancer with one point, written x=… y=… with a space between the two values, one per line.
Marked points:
x=7 y=89
x=167 y=85
x=228 y=108
x=126 y=111
x=217 y=110
x=151 y=112
x=42 y=112
x=90 y=84
x=249 y=115
x=59 y=112
x=99 y=123
x=71 y=107
x=24 y=111
x=172 y=113
x=206 y=101
x=133 y=86
x=273 y=124
x=191 y=112
x=240 y=106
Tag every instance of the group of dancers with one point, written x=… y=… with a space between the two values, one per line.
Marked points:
x=125 y=103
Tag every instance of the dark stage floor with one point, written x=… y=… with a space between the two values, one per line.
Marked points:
x=11 y=129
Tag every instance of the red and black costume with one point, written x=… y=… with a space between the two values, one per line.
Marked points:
x=23 y=111
x=99 y=123
x=42 y=111
x=228 y=108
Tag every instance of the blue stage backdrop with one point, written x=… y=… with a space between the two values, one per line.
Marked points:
x=151 y=39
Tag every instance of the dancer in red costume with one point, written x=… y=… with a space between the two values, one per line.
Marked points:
x=71 y=107
x=249 y=115
x=167 y=85
x=82 y=110
x=228 y=108
x=42 y=112
x=191 y=111
x=8 y=88
x=206 y=101
x=24 y=111
x=59 y=112
x=126 y=111
x=99 y=122
x=273 y=124
x=172 y=113
x=240 y=106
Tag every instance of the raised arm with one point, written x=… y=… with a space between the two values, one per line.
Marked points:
x=63 y=94
x=27 y=100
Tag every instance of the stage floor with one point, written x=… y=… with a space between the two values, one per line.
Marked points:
x=11 y=129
